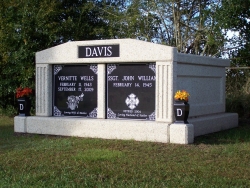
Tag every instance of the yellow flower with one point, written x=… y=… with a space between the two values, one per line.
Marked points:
x=181 y=95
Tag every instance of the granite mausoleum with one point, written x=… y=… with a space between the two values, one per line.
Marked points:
x=124 y=89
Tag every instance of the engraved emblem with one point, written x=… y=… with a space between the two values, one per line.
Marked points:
x=132 y=101
x=73 y=101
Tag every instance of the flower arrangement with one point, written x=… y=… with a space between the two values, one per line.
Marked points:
x=23 y=92
x=181 y=95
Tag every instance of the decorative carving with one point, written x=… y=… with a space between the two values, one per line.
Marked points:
x=57 y=69
x=110 y=68
x=93 y=114
x=57 y=112
x=152 y=67
x=111 y=114
x=94 y=68
x=152 y=116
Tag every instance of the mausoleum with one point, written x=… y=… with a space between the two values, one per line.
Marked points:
x=124 y=89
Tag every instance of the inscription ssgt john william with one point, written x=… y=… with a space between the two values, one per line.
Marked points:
x=131 y=91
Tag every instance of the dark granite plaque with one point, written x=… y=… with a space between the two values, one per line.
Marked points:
x=75 y=90
x=131 y=91
x=98 y=51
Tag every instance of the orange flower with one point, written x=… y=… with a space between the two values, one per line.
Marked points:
x=22 y=92
x=181 y=95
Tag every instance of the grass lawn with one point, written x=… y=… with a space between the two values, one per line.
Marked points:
x=214 y=160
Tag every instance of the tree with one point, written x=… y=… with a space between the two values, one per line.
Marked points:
x=28 y=26
x=234 y=15
x=191 y=26
x=195 y=28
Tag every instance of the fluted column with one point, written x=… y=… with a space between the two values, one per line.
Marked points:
x=165 y=83
x=43 y=90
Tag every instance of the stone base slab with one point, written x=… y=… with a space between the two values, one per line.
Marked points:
x=126 y=129
x=214 y=123
x=94 y=128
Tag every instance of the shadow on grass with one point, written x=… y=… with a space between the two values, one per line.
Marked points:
x=240 y=134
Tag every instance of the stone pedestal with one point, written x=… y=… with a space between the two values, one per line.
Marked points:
x=20 y=124
x=181 y=133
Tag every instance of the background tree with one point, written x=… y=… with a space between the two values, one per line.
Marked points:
x=193 y=26
x=234 y=15
x=29 y=26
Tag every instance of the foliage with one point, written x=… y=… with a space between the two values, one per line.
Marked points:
x=234 y=16
x=197 y=27
x=214 y=160
x=33 y=25
x=239 y=104
x=238 y=92
x=191 y=26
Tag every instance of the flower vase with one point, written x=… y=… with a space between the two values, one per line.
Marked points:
x=24 y=106
x=181 y=111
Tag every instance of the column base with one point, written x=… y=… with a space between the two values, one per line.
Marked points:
x=181 y=133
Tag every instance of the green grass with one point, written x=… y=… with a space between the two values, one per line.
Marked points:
x=214 y=160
